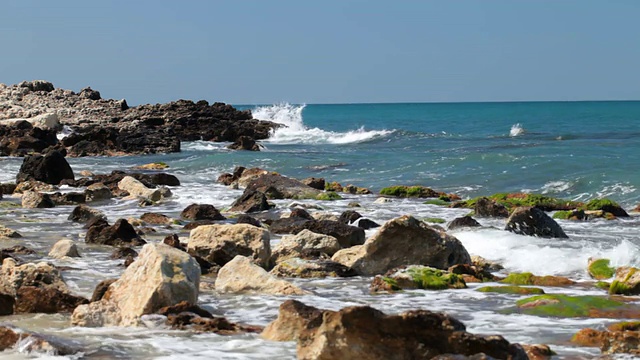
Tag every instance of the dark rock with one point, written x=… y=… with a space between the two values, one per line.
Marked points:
x=366 y=224
x=51 y=168
x=300 y=213
x=349 y=216
x=184 y=307
x=48 y=300
x=476 y=272
x=120 y=233
x=246 y=219
x=18 y=250
x=201 y=212
x=174 y=241
x=276 y=186
x=71 y=198
x=8 y=188
x=346 y=235
x=37 y=85
x=305 y=268
x=89 y=93
x=250 y=201
x=533 y=222
x=244 y=143
x=83 y=214
x=21 y=139
x=156 y=219
x=194 y=224
x=128 y=261
x=7 y=303
x=462 y=222
x=293 y=317
x=8 y=338
x=123 y=252
x=486 y=207
x=316 y=183
x=290 y=225
x=101 y=289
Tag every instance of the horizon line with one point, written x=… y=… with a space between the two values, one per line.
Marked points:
x=429 y=102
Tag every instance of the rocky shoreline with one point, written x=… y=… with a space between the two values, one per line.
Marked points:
x=33 y=113
x=230 y=252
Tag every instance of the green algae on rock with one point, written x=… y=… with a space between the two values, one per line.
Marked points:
x=599 y=269
x=417 y=277
x=514 y=200
x=435 y=220
x=627 y=281
x=528 y=278
x=559 y=305
x=518 y=290
x=410 y=191
x=328 y=196
x=607 y=206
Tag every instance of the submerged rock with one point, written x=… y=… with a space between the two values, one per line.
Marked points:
x=559 y=305
x=527 y=278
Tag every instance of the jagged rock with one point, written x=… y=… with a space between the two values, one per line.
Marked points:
x=305 y=268
x=43 y=275
x=486 y=207
x=48 y=300
x=89 y=93
x=462 y=222
x=293 y=317
x=626 y=281
x=120 y=233
x=162 y=276
x=246 y=219
x=404 y=241
x=220 y=243
x=250 y=201
x=34 y=185
x=123 y=252
x=483 y=263
x=70 y=198
x=36 y=200
x=316 y=183
x=5 y=232
x=345 y=234
x=241 y=275
x=201 y=212
x=63 y=248
x=156 y=219
x=244 y=143
x=305 y=240
x=533 y=222
x=366 y=333
x=84 y=213
x=51 y=168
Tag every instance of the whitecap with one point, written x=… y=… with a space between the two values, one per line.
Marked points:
x=516 y=130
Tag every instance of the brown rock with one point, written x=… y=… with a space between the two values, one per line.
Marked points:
x=486 y=207
x=293 y=317
x=48 y=300
x=8 y=338
x=538 y=351
x=101 y=289
x=156 y=219
x=7 y=303
x=589 y=337
x=201 y=212
x=120 y=233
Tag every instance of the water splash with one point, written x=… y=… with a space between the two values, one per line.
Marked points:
x=516 y=130
x=296 y=132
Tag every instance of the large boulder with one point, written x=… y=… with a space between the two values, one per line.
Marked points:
x=51 y=168
x=532 y=221
x=404 y=241
x=292 y=246
x=251 y=201
x=220 y=243
x=119 y=234
x=361 y=332
x=241 y=275
x=311 y=268
x=293 y=317
x=162 y=276
x=276 y=186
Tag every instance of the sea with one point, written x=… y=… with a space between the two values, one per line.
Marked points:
x=573 y=150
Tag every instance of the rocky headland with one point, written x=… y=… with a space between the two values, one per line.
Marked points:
x=33 y=113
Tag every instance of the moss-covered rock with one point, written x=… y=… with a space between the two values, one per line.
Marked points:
x=528 y=278
x=328 y=196
x=625 y=326
x=438 y=202
x=607 y=206
x=416 y=277
x=435 y=220
x=626 y=282
x=518 y=290
x=599 y=269
x=603 y=285
x=570 y=215
x=514 y=200
x=410 y=191
x=559 y=305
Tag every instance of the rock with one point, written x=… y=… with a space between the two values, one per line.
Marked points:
x=220 y=243
x=345 y=234
x=517 y=290
x=51 y=168
x=42 y=275
x=37 y=85
x=382 y=200
x=201 y=212
x=351 y=217
x=527 y=278
x=589 y=337
x=152 y=166
x=533 y=222
x=250 y=201
x=88 y=93
x=123 y=252
x=599 y=269
x=606 y=206
x=626 y=281
x=483 y=263
x=162 y=276
x=404 y=241
x=84 y=213
x=410 y=191
x=137 y=189
x=472 y=273
x=194 y=224
x=8 y=338
x=361 y=332
x=300 y=213
x=242 y=177
x=538 y=351
x=97 y=192
x=156 y=219
x=246 y=219
x=486 y=207
x=174 y=241
x=416 y=277
x=7 y=303
x=120 y=233
x=276 y=186
x=241 y=275
x=244 y=143
x=293 y=317
x=5 y=232
x=463 y=222
x=70 y=198
x=185 y=316
x=48 y=300
x=293 y=246
x=34 y=186
x=7 y=188
x=101 y=289
x=304 y=268
x=316 y=183
x=36 y=200
x=63 y=248
x=619 y=342
x=566 y=306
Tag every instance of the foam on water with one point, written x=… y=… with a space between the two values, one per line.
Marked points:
x=516 y=130
x=295 y=132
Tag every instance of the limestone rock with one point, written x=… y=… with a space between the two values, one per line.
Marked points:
x=14 y=276
x=62 y=248
x=486 y=207
x=533 y=222
x=626 y=281
x=162 y=276
x=219 y=243
x=276 y=186
x=305 y=240
x=346 y=235
x=293 y=317
x=241 y=275
x=404 y=241
x=306 y=268
x=5 y=232
x=36 y=200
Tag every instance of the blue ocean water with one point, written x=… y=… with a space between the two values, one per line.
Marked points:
x=577 y=150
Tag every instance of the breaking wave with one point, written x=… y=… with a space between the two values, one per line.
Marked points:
x=295 y=131
x=516 y=130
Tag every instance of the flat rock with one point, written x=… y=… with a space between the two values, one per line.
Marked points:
x=241 y=275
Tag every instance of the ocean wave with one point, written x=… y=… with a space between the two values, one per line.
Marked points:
x=295 y=131
x=516 y=130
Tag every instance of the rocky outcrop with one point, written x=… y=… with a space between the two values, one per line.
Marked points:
x=305 y=241
x=366 y=333
x=22 y=138
x=626 y=281
x=64 y=248
x=404 y=241
x=119 y=234
x=162 y=276
x=533 y=222
x=251 y=201
x=220 y=243
x=241 y=275
x=51 y=168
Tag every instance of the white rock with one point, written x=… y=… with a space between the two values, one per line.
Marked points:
x=137 y=189
x=240 y=275
x=62 y=248
x=229 y=240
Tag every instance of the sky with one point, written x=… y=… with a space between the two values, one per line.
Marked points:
x=331 y=51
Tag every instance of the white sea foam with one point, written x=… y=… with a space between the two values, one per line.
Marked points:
x=296 y=132
x=516 y=130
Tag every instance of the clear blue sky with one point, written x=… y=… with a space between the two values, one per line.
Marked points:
x=246 y=52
